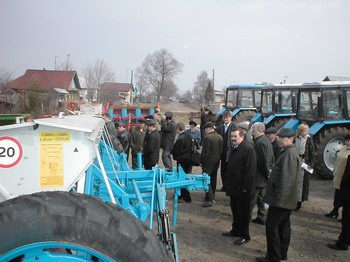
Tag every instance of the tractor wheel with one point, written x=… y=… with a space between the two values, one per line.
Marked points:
x=280 y=123
x=245 y=116
x=328 y=143
x=62 y=226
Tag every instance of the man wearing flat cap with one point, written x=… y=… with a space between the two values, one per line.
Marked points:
x=282 y=197
x=271 y=135
x=137 y=137
x=124 y=137
x=210 y=159
x=151 y=145
x=168 y=133
x=194 y=132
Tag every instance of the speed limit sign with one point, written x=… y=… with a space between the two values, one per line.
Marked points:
x=11 y=152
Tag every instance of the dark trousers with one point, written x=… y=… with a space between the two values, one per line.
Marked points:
x=223 y=169
x=210 y=195
x=185 y=194
x=240 y=207
x=258 y=198
x=344 y=237
x=278 y=232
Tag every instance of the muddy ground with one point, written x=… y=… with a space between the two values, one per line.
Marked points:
x=199 y=229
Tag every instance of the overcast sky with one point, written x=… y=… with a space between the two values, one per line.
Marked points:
x=245 y=41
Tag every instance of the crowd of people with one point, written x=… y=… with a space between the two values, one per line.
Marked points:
x=268 y=168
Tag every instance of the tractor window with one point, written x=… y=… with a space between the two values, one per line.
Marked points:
x=332 y=108
x=257 y=96
x=284 y=100
x=348 y=100
x=266 y=103
x=308 y=107
x=246 y=99
x=231 y=98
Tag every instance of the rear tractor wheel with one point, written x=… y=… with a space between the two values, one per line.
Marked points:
x=62 y=226
x=328 y=144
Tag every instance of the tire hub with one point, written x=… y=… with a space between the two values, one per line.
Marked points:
x=331 y=151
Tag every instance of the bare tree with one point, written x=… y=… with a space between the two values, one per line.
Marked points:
x=5 y=77
x=200 y=87
x=141 y=85
x=159 y=67
x=209 y=93
x=95 y=75
x=66 y=65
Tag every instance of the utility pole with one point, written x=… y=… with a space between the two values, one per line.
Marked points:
x=213 y=86
x=56 y=62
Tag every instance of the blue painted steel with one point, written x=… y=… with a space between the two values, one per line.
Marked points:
x=139 y=161
x=43 y=251
x=222 y=111
x=292 y=124
x=258 y=117
x=317 y=127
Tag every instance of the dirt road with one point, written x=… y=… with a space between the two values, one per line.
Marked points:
x=199 y=229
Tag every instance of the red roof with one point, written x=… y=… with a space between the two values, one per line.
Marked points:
x=45 y=79
x=119 y=87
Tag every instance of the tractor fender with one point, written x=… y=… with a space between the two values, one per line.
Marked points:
x=258 y=117
x=273 y=117
x=292 y=124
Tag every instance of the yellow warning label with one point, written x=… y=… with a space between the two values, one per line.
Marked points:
x=51 y=165
x=58 y=136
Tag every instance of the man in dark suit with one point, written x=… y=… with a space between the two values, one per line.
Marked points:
x=225 y=131
x=271 y=135
x=240 y=185
x=210 y=159
x=151 y=145
x=265 y=160
x=181 y=152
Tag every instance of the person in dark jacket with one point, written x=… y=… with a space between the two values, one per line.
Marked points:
x=168 y=133
x=225 y=131
x=204 y=120
x=271 y=135
x=282 y=197
x=181 y=152
x=137 y=137
x=344 y=237
x=265 y=160
x=151 y=145
x=124 y=137
x=112 y=134
x=210 y=159
x=240 y=185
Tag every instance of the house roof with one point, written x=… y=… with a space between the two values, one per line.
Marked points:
x=46 y=80
x=119 y=87
x=336 y=78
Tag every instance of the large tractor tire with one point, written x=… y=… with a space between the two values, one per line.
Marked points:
x=63 y=226
x=328 y=143
x=245 y=116
x=280 y=123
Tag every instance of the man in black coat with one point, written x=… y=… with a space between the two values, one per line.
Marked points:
x=265 y=160
x=181 y=152
x=225 y=131
x=271 y=135
x=344 y=237
x=168 y=133
x=240 y=185
x=210 y=159
x=151 y=146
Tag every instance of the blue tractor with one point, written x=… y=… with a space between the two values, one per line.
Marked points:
x=325 y=108
x=242 y=100
x=278 y=105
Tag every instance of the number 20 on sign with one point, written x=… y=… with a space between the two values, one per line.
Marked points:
x=11 y=152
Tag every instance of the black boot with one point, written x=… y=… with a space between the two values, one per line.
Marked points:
x=334 y=213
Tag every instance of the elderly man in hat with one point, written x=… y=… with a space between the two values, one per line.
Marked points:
x=247 y=133
x=194 y=132
x=210 y=159
x=137 y=137
x=271 y=135
x=168 y=133
x=282 y=197
x=151 y=145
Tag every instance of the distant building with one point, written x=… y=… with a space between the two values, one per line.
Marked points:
x=116 y=92
x=336 y=78
x=48 y=89
x=218 y=96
